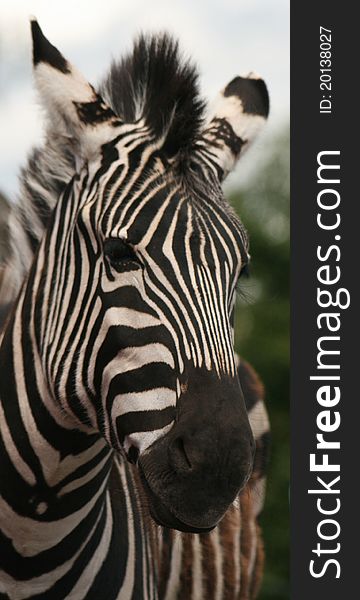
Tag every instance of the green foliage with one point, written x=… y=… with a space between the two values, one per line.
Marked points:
x=262 y=337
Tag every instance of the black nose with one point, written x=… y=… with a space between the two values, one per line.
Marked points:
x=198 y=467
x=209 y=452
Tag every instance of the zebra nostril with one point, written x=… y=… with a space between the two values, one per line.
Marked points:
x=178 y=456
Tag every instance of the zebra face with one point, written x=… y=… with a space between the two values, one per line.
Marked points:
x=171 y=258
x=138 y=342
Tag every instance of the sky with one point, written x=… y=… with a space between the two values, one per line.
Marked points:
x=224 y=37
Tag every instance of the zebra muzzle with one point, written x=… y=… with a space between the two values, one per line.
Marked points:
x=195 y=471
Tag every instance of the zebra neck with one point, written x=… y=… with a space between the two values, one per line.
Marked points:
x=71 y=519
x=53 y=476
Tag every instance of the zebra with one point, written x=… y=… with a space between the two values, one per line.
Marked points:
x=121 y=414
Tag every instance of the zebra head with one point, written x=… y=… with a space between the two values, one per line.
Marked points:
x=135 y=278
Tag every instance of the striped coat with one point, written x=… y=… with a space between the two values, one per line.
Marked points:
x=77 y=519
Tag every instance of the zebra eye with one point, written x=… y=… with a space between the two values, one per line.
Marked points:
x=120 y=255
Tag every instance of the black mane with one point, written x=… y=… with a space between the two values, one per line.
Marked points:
x=154 y=82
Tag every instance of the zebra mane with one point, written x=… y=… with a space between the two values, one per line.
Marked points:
x=154 y=82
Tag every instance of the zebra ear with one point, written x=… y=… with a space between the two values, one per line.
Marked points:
x=73 y=107
x=236 y=117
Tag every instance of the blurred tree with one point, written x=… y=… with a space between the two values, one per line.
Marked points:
x=262 y=337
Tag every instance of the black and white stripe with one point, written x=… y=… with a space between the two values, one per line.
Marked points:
x=120 y=344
